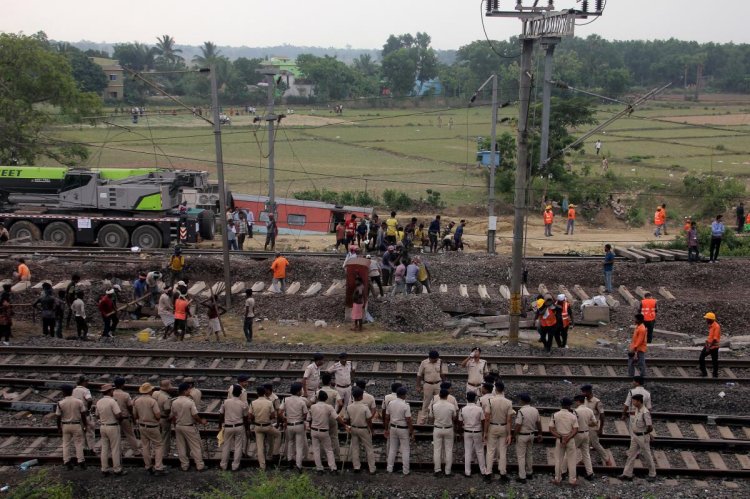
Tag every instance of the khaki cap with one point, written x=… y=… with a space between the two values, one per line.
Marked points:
x=106 y=388
x=146 y=388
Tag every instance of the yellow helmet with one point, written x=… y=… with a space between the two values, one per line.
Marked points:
x=710 y=315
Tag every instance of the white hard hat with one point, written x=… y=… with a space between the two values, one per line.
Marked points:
x=561 y=297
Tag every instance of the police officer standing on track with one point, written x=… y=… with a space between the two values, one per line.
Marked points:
x=397 y=422
x=445 y=415
x=262 y=415
x=564 y=426
x=71 y=423
x=498 y=418
x=640 y=438
x=146 y=415
x=342 y=371
x=243 y=381
x=110 y=416
x=164 y=399
x=295 y=415
x=82 y=393
x=528 y=427
x=126 y=408
x=471 y=417
x=184 y=416
x=311 y=378
x=597 y=407
x=321 y=415
x=476 y=368
x=359 y=417
x=587 y=424
x=327 y=385
x=638 y=389
x=431 y=372
x=233 y=418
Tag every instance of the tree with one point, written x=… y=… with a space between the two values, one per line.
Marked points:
x=332 y=78
x=165 y=49
x=366 y=66
x=246 y=70
x=26 y=99
x=405 y=58
x=399 y=70
x=88 y=75
x=135 y=56
x=210 y=53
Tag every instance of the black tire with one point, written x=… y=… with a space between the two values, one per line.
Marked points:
x=113 y=236
x=60 y=233
x=206 y=225
x=146 y=237
x=25 y=228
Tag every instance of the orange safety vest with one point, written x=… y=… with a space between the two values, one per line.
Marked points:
x=548 y=217
x=747 y=219
x=548 y=318
x=565 y=315
x=648 y=309
x=714 y=336
x=659 y=217
x=687 y=227
x=180 y=309
x=571 y=213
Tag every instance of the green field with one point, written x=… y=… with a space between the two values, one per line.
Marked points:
x=404 y=149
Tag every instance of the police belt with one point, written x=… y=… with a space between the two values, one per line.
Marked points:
x=474 y=385
x=344 y=386
x=320 y=430
x=525 y=434
x=233 y=425
x=263 y=424
x=359 y=427
x=432 y=382
x=472 y=431
x=295 y=424
x=145 y=425
x=498 y=424
x=443 y=427
x=399 y=427
x=71 y=422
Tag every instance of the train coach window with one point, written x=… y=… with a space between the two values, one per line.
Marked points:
x=296 y=219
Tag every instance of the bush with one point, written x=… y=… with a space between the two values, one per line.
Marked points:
x=397 y=200
x=262 y=485
x=712 y=195
x=636 y=218
x=731 y=245
x=350 y=198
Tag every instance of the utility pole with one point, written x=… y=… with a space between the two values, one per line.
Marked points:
x=492 y=219
x=271 y=123
x=539 y=23
x=222 y=186
x=549 y=50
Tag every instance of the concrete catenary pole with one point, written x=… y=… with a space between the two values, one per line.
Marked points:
x=222 y=186
x=492 y=222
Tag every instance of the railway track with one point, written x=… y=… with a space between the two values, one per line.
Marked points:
x=205 y=364
x=694 y=445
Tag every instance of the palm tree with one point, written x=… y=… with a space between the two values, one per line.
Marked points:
x=210 y=54
x=165 y=48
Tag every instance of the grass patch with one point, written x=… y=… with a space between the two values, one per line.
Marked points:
x=263 y=485
x=40 y=485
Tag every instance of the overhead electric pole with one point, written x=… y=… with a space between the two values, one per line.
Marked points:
x=549 y=50
x=539 y=23
x=271 y=122
x=492 y=221
x=222 y=186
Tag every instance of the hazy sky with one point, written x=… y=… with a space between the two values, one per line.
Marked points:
x=360 y=24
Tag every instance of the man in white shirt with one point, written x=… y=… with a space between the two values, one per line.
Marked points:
x=397 y=422
x=472 y=419
x=311 y=378
x=476 y=368
x=342 y=371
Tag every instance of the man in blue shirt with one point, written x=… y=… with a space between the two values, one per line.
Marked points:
x=609 y=264
x=433 y=232
x=717 y=232
x=458 y=236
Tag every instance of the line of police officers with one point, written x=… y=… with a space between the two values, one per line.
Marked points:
x=321 y=403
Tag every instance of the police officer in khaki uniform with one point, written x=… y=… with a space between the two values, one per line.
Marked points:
x=262 y=416
x=445 y=416
x=321 y=414
x=528 y=427
x=398 y=430
x=471 y=417
x=126 y=408
x=445 y=385
x=641 y=429
x=82 y=393
x=311 y=378
x=243 y=381
x=476 y=368
x=342 y=372
x=71 y=423
x=194 y=393
x=147 y=415
x=564 y=426
x=295 y=415
x=367 y=398
x=387 y=400
x=638 y=389
x=335 y=401
x=164 y=400
x=185 y=416
x=431 y=372
x=498 y=418
x=597 y=407
x=587 y=424
x=233 y=416
x=359 y=417
x=487 y=389
x=109 y=432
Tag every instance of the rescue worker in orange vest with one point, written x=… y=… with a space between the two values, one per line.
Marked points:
x=571 y=219
x=637 y=348
x=648 y=309
x=712 y=345
x=547 y=322
x=659 y=220
x=688 y=223
x=564 y=320
x=549 y=217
